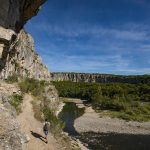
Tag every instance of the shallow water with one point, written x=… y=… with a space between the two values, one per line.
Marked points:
x=69 y=113
x=102 y=141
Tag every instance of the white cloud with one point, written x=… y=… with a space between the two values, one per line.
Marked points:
x=105 y=50
x=128 y=31
x=84 y=63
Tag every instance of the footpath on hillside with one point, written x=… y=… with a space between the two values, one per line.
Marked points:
x=33 y=129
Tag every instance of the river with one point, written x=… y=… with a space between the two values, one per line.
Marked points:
x=101 y=141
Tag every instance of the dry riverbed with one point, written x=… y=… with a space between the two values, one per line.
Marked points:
x=91 y=121
x=99 y=132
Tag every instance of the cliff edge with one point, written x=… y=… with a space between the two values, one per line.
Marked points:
x=99 y=78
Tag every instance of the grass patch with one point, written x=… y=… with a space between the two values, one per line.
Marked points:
x=138 y=112
x=16 y=101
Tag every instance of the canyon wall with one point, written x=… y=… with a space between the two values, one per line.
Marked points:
x=98 y=78
x=17 y=54
x=18 y=57
x=22 y=60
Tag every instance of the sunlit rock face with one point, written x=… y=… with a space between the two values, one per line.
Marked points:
x=98 y=78
x=17 y=54
x=22 y=60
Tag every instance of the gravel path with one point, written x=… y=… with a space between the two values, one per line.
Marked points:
x=91 y=122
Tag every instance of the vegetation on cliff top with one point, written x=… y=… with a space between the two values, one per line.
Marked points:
x=126 y=101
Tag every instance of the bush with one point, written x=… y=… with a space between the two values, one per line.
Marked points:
x=34 y=86
x=15 y=101
x=11 y=79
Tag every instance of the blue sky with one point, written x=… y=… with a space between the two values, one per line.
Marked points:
x=93 y=36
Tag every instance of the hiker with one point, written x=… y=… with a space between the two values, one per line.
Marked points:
x=45 y=129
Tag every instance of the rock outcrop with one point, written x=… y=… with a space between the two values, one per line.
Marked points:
x=17 y=57
x=22 y=60
x=13 y=15
x=99 y=78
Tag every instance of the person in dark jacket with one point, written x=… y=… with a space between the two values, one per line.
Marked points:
x=46 y=129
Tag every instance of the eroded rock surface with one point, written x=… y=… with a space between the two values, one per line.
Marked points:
x=13 y=15
x=10 y=136
x=21 y=59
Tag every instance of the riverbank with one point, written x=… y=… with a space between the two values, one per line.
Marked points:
x=75 y=142
x=91 y=121
x=98 y=131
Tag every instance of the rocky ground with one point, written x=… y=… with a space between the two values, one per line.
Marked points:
x=11 y=137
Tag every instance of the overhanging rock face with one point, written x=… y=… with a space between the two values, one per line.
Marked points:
x=17 y=55
x=15 y=13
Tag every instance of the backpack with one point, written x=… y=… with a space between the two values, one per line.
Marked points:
x=45 y=127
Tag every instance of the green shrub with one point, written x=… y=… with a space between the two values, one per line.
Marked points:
x=15 y=101
x=11 y=79
x=34 y=86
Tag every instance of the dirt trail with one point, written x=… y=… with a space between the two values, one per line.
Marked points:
x=29 y=123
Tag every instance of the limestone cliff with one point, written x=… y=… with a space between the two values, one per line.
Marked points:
x=99 y=78
x=17 y=56
x=13 y=15
x=22 y=59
